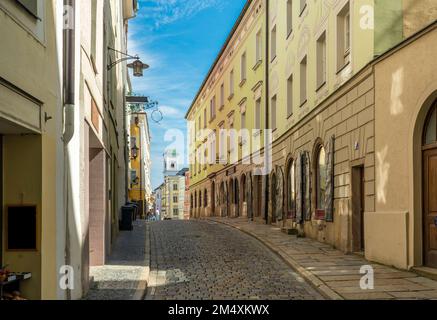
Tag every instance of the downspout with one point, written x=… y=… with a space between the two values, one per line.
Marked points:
x=266 y=153
x=69 y=11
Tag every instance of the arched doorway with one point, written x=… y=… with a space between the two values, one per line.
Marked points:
x=429 y=182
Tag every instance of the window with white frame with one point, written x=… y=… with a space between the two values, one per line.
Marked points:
x=343 y=37
x=303 y=81
x=204 y=118
x=321 y=60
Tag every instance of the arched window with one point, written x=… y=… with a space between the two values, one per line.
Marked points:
x=291 y=187
x=205 y=198
x=320 y=179
x=430 y=132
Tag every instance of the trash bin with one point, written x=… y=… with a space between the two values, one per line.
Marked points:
x=127 y=217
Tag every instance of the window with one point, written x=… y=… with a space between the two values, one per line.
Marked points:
x=31 y=6
x=321 y=60
x=175 y=199
x=243 y=67
x=175 y=212
x=290 y=96
x=289 y=17
x=222 y=96
x=258 y=47
x=205 y=198
x=175 y=187
x=303 y=5
x=273 y=112
x=343 y=37
x=204 y=118
x=243 y=120
x=292 y=190
x=231 y=84
x=273 y=43
x=321 y=179
x=258 y=114
x=303 y=81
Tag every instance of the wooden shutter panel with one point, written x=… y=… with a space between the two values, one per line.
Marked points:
x=329 y=195
x=279 y=193
x=299 y=189
x=307 y=186
x=31 y=6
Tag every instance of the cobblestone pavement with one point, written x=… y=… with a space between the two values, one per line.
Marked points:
x=333 y=272
x=207 y=260
x=125 y=274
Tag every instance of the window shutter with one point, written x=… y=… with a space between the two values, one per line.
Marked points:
x=329 y=195
x=299 y=189
x=307 y=186
x=31 y=6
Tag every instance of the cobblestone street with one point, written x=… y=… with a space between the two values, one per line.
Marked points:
x=206 y=260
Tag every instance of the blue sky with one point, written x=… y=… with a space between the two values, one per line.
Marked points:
x=179 y=39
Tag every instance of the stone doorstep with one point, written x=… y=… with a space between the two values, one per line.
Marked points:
x=333 y=281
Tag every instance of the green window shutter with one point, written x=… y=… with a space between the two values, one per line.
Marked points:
x=329 y=195
x=31 y=6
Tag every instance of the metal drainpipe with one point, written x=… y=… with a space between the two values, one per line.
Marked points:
x=68 y=105
x=266 y=154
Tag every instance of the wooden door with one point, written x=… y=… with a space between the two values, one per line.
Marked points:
x=430 y=207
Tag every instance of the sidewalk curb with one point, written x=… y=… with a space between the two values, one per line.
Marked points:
x=143 y=282
x=313 y=280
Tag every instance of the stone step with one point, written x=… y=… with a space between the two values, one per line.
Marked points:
x=426 y=272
